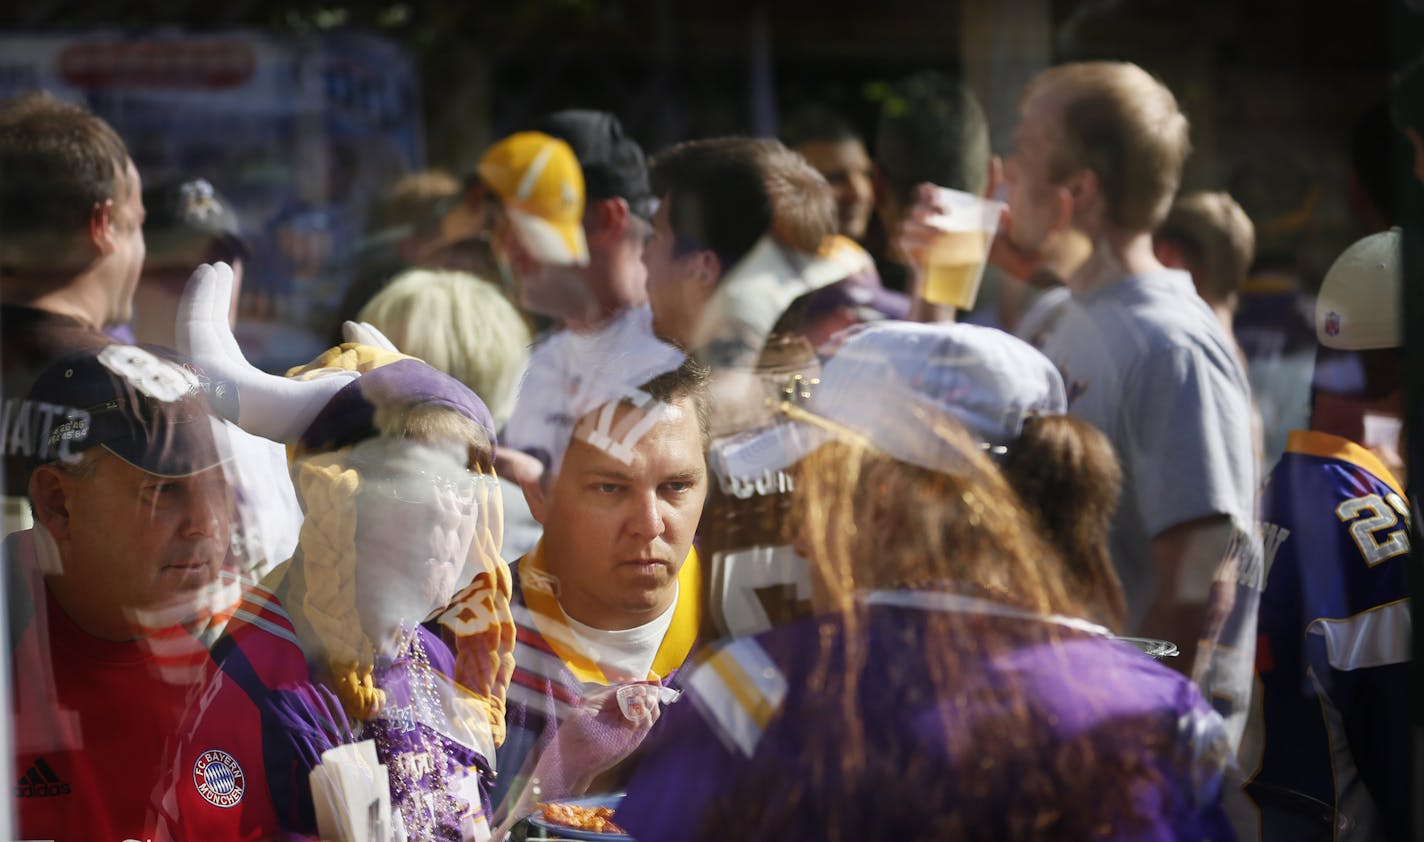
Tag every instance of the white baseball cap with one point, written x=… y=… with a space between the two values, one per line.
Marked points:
x=1360 y=301
x=895 y=384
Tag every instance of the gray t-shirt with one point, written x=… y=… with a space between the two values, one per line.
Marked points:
x=1146 y=362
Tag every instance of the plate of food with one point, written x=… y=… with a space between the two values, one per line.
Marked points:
x=588 y=818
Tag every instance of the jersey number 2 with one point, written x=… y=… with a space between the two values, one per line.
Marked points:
x=1365 y=530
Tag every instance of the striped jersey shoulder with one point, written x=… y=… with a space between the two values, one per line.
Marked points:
x=739 y=689
x=258 y=602
x=263 y=630
x=541 y=679
x=526 y=630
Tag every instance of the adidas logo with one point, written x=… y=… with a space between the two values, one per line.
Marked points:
x=40 y=782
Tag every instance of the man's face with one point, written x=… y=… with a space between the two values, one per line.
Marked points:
x=1036 y=199
x=148 y=541
x=675 y=292
x=846 y=166
x=126 y=218
x=616 y=534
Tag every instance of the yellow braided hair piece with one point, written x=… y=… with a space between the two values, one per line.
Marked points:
x=328 y=542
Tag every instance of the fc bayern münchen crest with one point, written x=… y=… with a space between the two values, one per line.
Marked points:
x=1332 y=323
x=219 y=779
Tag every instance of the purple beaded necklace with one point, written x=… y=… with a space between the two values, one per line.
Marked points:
x=413 y=750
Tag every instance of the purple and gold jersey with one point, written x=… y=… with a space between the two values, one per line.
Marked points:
x=553 y=667
x=1333 y=649
x=1042 y=722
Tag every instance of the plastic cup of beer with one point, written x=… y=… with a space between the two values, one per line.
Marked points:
x=954 y=263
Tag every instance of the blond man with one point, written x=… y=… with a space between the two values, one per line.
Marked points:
x=1100 y=147
x=1209 y=235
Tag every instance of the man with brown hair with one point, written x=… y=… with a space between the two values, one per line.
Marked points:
x=610 y=598
x=71 y=207
x=829 y=143
x=1100 y=147
x=735 y=241
x=932 y=130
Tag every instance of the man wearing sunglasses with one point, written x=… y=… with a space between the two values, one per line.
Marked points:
x=590 y=280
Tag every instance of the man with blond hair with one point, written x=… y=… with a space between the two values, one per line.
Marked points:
x=1100 y=147
x=1209 y=235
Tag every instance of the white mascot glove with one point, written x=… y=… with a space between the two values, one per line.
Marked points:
x=277 y=408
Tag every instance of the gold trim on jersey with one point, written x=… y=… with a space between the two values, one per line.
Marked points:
x=1326 y=446
x=548 y=619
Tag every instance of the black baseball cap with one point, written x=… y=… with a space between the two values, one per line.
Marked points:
x=188 y=214
x=147 y=405
x=613 y=163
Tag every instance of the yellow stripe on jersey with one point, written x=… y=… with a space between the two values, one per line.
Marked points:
x=740 y=689
x=548 y=619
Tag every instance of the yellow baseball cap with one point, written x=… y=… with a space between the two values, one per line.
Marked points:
x=538 y=179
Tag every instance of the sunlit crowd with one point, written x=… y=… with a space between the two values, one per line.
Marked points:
x=750 y=489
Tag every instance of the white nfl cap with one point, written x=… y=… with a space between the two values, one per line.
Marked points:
x=1359 y=306
x=896 y=384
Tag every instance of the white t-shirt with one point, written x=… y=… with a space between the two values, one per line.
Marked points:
x=270 y=519
x=754 y=294
x=626 y=653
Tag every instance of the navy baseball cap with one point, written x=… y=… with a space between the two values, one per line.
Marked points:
x=147 y=405
x=613 y=163
x=188 y=215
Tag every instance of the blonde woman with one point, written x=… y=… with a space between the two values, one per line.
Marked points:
x=460 y=324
